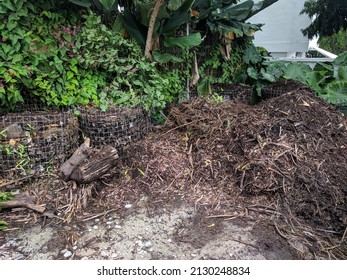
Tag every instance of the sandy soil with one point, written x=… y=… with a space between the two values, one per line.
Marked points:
x=180 y=232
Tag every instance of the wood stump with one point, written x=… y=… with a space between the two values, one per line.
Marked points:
x=96 y=165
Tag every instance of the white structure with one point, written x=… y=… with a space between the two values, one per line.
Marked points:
x=314 y=46
x=281 y=35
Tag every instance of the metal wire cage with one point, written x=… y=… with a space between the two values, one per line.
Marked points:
x=117 y=127
x=36 y=141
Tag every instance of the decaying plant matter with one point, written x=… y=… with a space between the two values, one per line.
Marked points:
x=286 y=157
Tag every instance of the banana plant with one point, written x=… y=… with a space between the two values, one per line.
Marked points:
x=224 y=21
x=104 y=7
x=101 y=5
x=170 y=18
x=228 y=17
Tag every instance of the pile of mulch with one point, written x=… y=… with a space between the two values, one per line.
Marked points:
x=286 y=156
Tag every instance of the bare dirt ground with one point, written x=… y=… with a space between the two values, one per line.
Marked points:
x=218 y=181
x=178 y=232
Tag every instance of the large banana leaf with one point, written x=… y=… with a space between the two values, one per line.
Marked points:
x=239 y=28
x=134 y=27
x=238 y=12
x=82 y=3
x=259 y=6
x=178 y=18
x=165 y=57
x=107 y=5
x=202 y=5
x=101 y=5
x=173 y=5
x=184 y=42
x=145 y=11
x=225 y=16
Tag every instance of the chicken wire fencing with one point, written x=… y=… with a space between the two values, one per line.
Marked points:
x=118 y=127
x=36 y=141
x=343 y=108
x=282 y=87
x=236 y=92
x=340 y=100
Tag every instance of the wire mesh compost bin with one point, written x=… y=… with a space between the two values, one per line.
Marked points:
x=282 y=87
x=342 y=107
x=338 y=98
x=117 y=127
x=36 y=141
x=237 y=92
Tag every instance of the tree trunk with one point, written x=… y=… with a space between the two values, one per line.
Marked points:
x=149 y=40
x=95 y=166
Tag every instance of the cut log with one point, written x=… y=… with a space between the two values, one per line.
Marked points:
x=23 y=201
x=72 y=163
x=95 y=166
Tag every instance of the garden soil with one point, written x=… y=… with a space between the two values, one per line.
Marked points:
x=218 y=181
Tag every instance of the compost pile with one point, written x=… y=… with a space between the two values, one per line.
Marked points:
x=286 y=157
x=282 y=162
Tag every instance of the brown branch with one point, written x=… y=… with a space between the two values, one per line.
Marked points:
x=15 y=181
x=23 y=201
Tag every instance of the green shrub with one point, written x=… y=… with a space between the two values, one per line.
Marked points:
x=131 y=79
x=62 y=56
x=37 y=39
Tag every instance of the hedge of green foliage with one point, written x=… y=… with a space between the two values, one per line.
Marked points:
x=64 y=56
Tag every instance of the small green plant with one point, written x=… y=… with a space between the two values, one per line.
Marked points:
x=3 y=134
x=19 y=152
x=23 y=158
x=216 y=98
x=3 y=225
x=4 y=197
x=48 y=167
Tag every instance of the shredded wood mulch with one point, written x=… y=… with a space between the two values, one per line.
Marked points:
x=283 y=160
x=286 y=157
